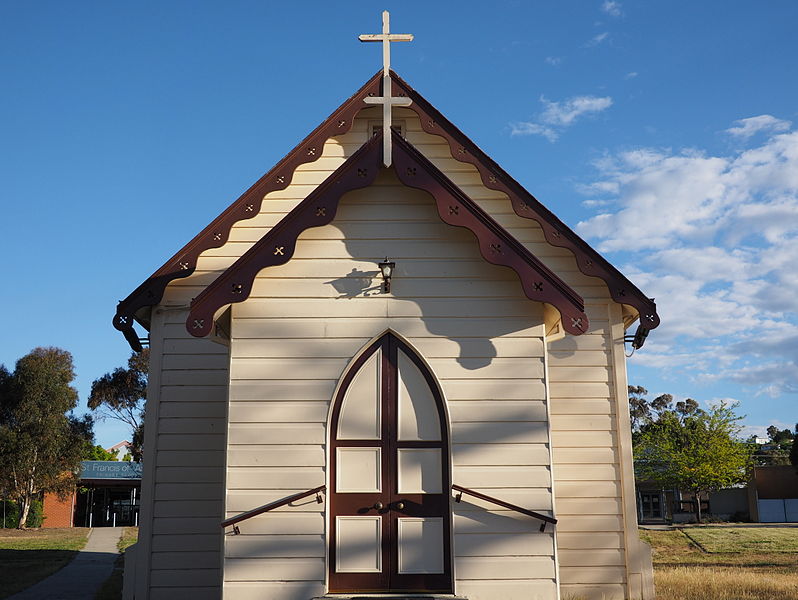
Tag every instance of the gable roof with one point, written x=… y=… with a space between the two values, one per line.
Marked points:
x=215 y=235
x=454 y=207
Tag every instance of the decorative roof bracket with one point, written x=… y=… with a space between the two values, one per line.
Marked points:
x=319 y=208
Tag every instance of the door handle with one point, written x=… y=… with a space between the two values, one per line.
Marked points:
x=378 y=505
x=400 y=505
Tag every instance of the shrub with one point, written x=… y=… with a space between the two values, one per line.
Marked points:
x=10 y=509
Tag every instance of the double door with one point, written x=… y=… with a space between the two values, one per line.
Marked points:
x=389 y=477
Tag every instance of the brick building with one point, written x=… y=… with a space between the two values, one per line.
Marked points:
x=107 y=495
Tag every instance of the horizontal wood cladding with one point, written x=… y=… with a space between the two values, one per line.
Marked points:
x=284 y=523
x=493 y=544
x=296 y=479
x=433 y=347
x=503 y=477
x=275 y=569
x=239 y=500
x=296 y=334
x=517 y=589
x=331 y=368
x=191 y=542
x=609 y=591
x=275 y=546
x=587 y=472
x=411 y=327
x=186 y=560
x=355 y=308
x=537 y=499
x=499 y=454
x=590 y=575
x=193 y=592
x=592 y=557
x=504 y=522
x=273 y=590
x=276 y=433
x=179 y=578
x=485 y=567
x=577 y=490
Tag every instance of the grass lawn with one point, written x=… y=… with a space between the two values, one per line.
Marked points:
x=111 y=589
x=29 y=556
x=725 y=563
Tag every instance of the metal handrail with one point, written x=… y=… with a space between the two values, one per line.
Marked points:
x=271 y=506
x=502 y=503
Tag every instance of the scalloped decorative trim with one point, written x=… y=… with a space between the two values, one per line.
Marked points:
x=525 y=205
x=454 y=207
x=247 y=206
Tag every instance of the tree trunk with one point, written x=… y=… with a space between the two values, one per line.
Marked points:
x=698 y=506
x=24 y=509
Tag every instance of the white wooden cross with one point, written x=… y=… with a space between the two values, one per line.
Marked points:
x=386 y=37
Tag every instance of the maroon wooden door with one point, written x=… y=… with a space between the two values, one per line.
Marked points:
x=389 y=477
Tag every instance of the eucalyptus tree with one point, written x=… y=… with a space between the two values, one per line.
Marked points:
x=41 y=445
x=120 y=396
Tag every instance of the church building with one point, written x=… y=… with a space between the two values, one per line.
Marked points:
x=387 y=369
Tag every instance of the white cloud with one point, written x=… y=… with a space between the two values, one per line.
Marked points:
x=665 y=197
x=612 y=8
x=714 y=239
x=566 y=112
x=600 y=187
x=553 y=60
x=631 y=75
x=753 y=125
x=533 y=129
x=556 y=116
x=597 y=39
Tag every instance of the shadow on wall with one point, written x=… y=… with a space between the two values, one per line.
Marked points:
x=407 y=231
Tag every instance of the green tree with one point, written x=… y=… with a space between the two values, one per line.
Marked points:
x=97 y=452
x=643 y=411
x=693 y=449
x=120 y=395
x=778 y=449
x=40 y=444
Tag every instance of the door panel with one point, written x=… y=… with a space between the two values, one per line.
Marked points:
x=418 y=412
x=390 y=478
x=420 y=545
x=359 y=470
x=358 y=545
x=419 y=471
x=360 y=414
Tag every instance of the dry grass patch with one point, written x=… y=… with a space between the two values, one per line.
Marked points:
x=744 y=563
x=725 y=583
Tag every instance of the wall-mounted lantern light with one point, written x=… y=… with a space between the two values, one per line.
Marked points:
x=386 y=268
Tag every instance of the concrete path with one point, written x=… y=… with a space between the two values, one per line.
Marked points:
x=82 y=577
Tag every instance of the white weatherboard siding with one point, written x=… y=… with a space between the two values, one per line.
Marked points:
x=183 y=495
x=599 y=553
x=300 y=328
x=293 y=339
x=182 y=487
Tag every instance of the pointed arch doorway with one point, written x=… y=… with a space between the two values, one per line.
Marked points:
x=390 y=524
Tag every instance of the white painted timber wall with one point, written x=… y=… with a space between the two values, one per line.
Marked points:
x=587 y=404
x=599 y=551
x=179 y=550
x=296 y=334
x=180 y=545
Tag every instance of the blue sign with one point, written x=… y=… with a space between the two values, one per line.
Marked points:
x=109 y=469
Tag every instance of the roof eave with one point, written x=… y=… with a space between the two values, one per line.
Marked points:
x=454 y=207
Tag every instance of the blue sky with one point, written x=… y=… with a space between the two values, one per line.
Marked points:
x=665 y=133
